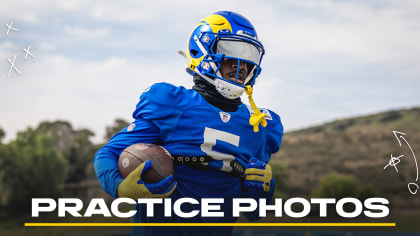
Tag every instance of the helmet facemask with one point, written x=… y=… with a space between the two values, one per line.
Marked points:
x=243 y=54
x=220 y=38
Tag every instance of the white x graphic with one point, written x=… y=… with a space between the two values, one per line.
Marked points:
x=12 y=63
x=28 y=53
x=9 y=27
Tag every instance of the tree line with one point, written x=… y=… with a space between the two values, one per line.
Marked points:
x=40 y=159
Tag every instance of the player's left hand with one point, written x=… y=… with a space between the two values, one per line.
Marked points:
x=134 y=187
x=258 y=177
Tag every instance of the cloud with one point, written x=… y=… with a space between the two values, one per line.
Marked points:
x=368 y=31
x=350 y=29
x=47 y=46
x=80 y=32
x=90 y=94
x=326 y=58
x=8 y=46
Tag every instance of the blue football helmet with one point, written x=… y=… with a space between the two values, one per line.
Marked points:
x=223 y=36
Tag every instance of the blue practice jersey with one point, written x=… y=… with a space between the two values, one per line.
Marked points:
x=184 y=123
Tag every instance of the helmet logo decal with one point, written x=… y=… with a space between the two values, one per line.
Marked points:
x=206 y=39
x=224 y=116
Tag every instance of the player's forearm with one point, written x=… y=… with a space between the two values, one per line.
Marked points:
x=106 y=168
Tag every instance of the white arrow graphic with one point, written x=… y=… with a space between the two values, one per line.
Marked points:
x=399 y=135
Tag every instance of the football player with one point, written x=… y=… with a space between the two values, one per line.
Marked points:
x=221 y=147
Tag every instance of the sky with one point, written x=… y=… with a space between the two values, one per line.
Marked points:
x=325 y=60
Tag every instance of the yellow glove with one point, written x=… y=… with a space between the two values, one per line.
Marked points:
x=257 y=176
x=133 y=186
x=258 y=184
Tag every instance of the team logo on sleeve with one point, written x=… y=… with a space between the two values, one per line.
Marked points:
x=224 y=116
x=263 y=110
x=131 y=127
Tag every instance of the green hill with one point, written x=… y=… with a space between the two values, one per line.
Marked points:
x=359 y=147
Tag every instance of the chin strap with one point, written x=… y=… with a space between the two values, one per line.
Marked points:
x=258 y=117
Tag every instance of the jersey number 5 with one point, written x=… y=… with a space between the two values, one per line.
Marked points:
x=210 y=138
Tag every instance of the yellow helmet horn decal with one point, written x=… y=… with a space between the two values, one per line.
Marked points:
x=217 y=23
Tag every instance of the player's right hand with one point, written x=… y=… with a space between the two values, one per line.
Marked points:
x=133 y=186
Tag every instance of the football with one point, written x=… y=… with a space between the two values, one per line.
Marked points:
x=136 y=154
